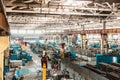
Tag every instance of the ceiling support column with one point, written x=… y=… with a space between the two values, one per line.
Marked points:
x=104 y=39
x=70 y=36
x=84 y=41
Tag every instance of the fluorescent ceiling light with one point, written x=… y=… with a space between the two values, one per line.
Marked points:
x=38 y=32
x=118 y=17
x=14 y=31
x=30 y=31
x=22 y=31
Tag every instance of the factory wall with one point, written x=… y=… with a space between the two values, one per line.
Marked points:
x=4 y=46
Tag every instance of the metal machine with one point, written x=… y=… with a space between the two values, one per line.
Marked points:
x=18 y=57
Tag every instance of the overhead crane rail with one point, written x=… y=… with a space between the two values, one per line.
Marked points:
x=97 y=31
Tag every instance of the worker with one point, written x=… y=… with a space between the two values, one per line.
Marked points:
x=43 y=52
x=43 y=60
x=22 y=77
x=46 y=55
x=14 y=77
x=18 y=72
x=56 y=67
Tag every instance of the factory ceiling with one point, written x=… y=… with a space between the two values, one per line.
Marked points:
x=62 y=14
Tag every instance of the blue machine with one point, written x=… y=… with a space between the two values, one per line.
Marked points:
x=95 y=45
x=79 y=41
x=21 y=72
x=37 y=42
x=70 y=48
x=34 y=50
x=57 y=55
x=17 y=47
x=70 y=53
x=18 y=54
x=106 y=59
x=113 y=46
x=6 y=69
x=73 y=54
x=26 y=56
x=16 y=51
x=14 y=57
x=52 y=44
x=24 y=61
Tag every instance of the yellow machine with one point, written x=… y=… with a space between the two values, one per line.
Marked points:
x=62 y=53
x=44 y=72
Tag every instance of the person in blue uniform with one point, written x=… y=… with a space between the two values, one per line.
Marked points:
x=14 y=77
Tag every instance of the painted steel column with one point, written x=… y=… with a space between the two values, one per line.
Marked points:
x=101 y=44
x=57 y=39
x=60 y=38
x=84 y=38
x=4 y=46
x=70 y=39
x=1 y=65
x=54 y=38
x=84 y=41
x=44 y=72
x=104 y=41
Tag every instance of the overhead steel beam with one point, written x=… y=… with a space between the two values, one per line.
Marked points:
x=75 y=7
x=98 y=4
x=3 y=18
x=57 y=13
x=109 y=5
